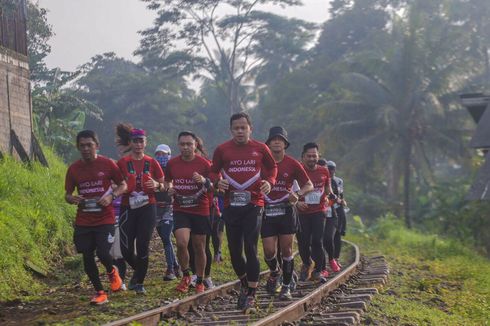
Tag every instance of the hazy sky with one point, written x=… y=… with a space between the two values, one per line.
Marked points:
x=84 y=28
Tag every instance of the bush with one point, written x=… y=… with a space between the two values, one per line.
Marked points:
x=35 y=222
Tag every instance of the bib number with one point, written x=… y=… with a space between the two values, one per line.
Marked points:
x=187 y=201
x=313 y=198
x=329 y=211
x=275 y=210
x=240 y=198
x=90 y=206
x=138 y=201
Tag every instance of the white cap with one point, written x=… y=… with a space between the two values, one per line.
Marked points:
x=163 y=148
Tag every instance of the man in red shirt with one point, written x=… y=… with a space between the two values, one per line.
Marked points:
x=94 y=231
x=280 y=221
x=138 y=207
x=249 y=171
x=313 y=209
x=187 y=178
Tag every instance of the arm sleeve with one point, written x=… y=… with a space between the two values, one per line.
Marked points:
x=269 y=172
x=157 y=170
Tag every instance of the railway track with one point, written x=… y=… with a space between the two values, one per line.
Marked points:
x=218 y=306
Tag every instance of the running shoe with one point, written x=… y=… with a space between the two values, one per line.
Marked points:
x=305 y=273
x=333 y=265
x=123 y=287
x=249 y=305
x=139 y=289
x=294 y=282
x=208 y=283
x=115 y=279
x=193 y=281
x=169 y=275
x=316 y=276
x=324 y=276
x=200 y=288
x=285 y=294
x=132 y=283
x=184 y=284
x=337 y=261
x=99 y=298
x=242 y=297
x=272 y=284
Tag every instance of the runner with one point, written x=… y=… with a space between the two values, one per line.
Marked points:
x=116 y=252
x=138 y=207
x=340 y=203
x=280 y=221
x=91 y=176
x=312 y=214
x=249 y=171
x=218 y=227
x=187 y=178
x=165 y=218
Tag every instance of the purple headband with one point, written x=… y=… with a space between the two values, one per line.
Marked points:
x=138 y=133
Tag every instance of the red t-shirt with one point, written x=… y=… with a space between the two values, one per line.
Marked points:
x=180 y=172
x=288 y=170
x=154 y=171
x=244 y=166
x=320 y=177
x=92 y=180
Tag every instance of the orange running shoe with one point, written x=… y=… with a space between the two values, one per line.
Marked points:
x=200 y=288
x=184 y=284
x=115 y=279
x=99 y=298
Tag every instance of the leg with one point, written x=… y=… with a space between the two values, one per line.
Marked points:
x=270 y=246
x=329 y=233
x=104 y=239
x=182 y=235
x=192 y=263
x=286 y=242
x=304 y=239
x=317 y=252
x=251 y=230
x=199 y=246
x=127 y=235
x=145 y=226
x=209 y=257
x=164 y=229
x=91 y=270
x=234 y=233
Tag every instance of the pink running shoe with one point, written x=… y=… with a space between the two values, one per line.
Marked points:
x=333 y=265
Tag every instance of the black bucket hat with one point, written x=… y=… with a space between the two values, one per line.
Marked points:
x=278 y=131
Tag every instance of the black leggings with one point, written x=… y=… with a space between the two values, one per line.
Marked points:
x=340 y=231
x=328 y=237
x=209 y=258
x=218 y=225
x=91 y=267
x=310 y=239
x=137 y=224
x=243 y=230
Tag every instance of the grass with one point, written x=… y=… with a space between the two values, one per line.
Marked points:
x=433 y=281
x=35 y=223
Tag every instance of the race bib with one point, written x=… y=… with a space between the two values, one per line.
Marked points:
x=90 y=206
x=188 y=201
x=336 y=205
x=240 y=198
x=313 y=197
x=275 y=210
x=138 y=201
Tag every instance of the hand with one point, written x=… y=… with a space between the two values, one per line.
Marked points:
x=302 y=206
x=265 y=187
x=105 y=201
x=344 y=203
x=223 y=185
x=151 y=184
x=198 y=178
x=171 y=191
x=293 y=198
x=339 y=201
x=74 y=200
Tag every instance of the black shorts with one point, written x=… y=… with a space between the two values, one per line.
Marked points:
x=281 y=224
x=91 y=238
x=197 y=223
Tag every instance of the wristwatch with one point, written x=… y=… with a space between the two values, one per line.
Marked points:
x=113 y=196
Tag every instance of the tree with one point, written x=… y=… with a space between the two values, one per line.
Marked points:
x=38 y=34
x=224 y=39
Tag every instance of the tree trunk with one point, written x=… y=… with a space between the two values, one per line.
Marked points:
x=406 y=183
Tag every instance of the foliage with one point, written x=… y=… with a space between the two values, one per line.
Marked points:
x=39 y=31
x=433 y=280
x=37 y=230
x=60 y=113
x=226 y=41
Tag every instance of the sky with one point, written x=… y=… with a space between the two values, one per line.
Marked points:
x=84 y=28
